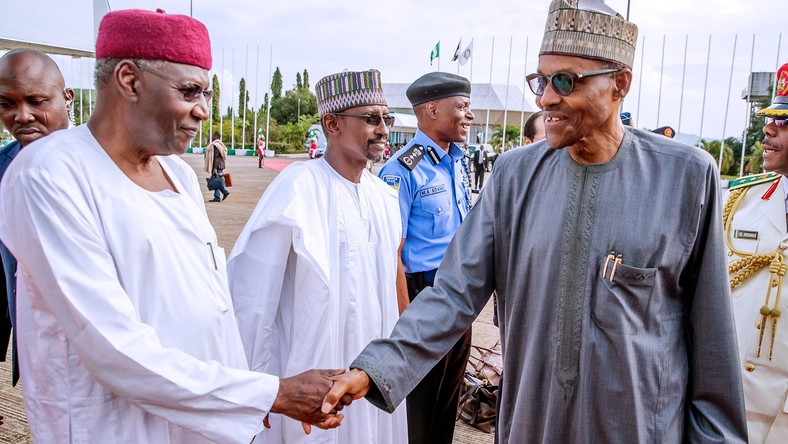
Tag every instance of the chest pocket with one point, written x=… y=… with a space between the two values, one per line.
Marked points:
x=621 y=306
x=437 y=206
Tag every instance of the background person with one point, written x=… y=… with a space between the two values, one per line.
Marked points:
x=533 y=130
x=34 y=102
x=755 y=230
x=326 y=233
x=432 y=183
x=604 y=244
x=479 y=165
x=124 y=313
x=260 y=150
x=215 y=157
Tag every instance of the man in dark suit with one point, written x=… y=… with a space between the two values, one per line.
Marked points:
x=34 y=102
x=479 y=158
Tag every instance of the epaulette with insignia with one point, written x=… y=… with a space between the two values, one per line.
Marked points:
x=754 y=179
x=411 y=157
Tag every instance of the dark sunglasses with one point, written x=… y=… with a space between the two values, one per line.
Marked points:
x=778 y=121
x=562 y=82
x=371 y=119
x=191 y=91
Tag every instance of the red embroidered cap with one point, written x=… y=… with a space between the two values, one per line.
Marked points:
x=138 y=34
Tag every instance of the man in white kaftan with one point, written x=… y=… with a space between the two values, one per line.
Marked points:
x=313 y=273
x=123 y=309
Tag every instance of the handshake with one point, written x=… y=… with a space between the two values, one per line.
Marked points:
x=315 y=397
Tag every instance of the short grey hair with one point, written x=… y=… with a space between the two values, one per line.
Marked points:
x=106 y=67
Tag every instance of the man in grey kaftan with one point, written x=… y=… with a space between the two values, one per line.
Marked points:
x=604 y=245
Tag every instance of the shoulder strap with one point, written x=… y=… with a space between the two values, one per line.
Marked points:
x=754 y=179
x=411 y=157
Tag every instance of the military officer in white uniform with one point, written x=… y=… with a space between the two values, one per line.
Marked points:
x=757 y=243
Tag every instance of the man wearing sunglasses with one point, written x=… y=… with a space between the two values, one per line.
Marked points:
x=755 y=232
x=124 y=312
x=604 y=246
x=430 y=178
x=34 y=102
x=326 y=233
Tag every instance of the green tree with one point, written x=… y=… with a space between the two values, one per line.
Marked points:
x=243 y=99
x=299 y=85
x=295 y=133
x=295 y=103
x=306 y=79
x=215 y=112
x=512 y=137
x=83 y=105
x=753 y=162
x=730 y=162
x=276 y=84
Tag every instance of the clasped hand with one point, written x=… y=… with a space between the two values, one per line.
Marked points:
x=315 y=397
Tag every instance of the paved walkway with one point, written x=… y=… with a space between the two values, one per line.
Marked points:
x=228 y=218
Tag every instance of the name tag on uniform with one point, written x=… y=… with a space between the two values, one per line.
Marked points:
x=432 y=190
x=744 y=234
x=392 y=181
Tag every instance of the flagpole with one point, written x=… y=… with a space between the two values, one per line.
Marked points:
x=727 y=102
x=245 y=99
x=640 y=81
x=776 y=65
x=522 y=110
x=661 y=70
x=506 y=100
x=256 y=94
x=439 y=55
x=221 y=117
x=268 y=103
x=470 y=79
x=683 y=76
x=232 y=104
x=749 y=109
x=489 y=90
x=705 y=85
x=459 y=46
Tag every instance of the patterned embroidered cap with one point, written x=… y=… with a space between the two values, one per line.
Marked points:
x=344 y=90
x=591 y=29
x=779 y=107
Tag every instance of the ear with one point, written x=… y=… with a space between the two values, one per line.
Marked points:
x=431 y=110
x=331 y=125
x=68 y=94
x=126 y=79
x=623 y=81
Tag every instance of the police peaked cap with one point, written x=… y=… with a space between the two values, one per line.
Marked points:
x=437 y=85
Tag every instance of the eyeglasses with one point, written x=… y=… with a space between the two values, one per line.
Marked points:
x=778 y=121
x=191 y=91
x=562 y=82
x=371 y=119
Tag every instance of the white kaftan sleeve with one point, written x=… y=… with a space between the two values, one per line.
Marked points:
x=48 y=221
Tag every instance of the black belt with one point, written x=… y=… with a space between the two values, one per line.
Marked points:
x=427 y=276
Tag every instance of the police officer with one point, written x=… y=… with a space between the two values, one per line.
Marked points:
x=433 y=185
x=755 y=225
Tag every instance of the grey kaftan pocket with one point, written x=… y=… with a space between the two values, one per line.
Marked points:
x=620 y=305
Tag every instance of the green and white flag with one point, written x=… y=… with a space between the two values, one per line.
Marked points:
x=436 y=52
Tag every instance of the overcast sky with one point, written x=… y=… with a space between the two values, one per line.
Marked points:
x=396 y=37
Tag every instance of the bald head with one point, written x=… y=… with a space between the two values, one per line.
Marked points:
x=33 y=99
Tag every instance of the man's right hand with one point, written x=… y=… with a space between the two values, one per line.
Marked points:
x=300 y=398
x=354 y=384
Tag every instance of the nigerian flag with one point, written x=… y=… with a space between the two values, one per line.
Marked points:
x=436 y=52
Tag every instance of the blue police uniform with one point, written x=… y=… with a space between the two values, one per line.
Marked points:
x=433 y=188
x=433 y=199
